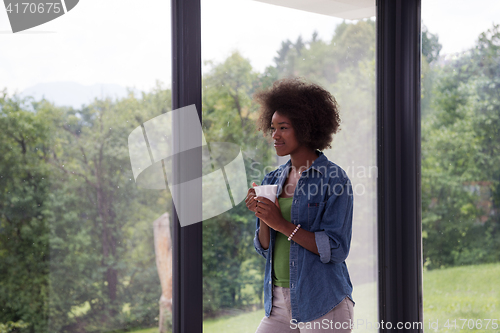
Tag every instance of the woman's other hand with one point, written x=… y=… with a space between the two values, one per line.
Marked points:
x=250 y=199
x=270 y=213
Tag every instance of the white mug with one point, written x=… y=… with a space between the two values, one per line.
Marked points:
x=266 y=191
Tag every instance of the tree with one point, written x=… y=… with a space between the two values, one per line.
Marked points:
x=229 y=262
x=430 y=54
x=76 y=234
x=430 y=45
x=101 y=233
x=24 y=187
x=460 y=172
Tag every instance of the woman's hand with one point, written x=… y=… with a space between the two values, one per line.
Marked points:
x=250 y=199
x=264 y=233
x=270 y=213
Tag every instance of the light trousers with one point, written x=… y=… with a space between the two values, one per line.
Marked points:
x=338 y=320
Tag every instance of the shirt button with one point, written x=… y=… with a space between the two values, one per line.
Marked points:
x=269 y=282
x=295 y=201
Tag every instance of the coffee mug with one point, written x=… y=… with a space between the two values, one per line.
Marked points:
x=266 y=191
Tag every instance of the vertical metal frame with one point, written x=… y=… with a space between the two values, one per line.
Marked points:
x=398 y=147
x=187 y=279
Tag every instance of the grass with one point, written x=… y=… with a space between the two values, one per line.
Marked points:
x=243 y=323
x=148 y=330
x=468 y=292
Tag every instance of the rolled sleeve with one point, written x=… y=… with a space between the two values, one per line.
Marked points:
x=323 y=245
x=334 y=239
x=256 y=243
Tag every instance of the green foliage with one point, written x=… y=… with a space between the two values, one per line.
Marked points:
x=430 y=45
x=232 y=272
x=460 y=160
x=430 y=53
x=68 y=195
x=24 y=188
x=11 y=326
x=105 y=240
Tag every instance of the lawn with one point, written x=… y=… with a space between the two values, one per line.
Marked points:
x=450 y=296
x=242 y=323
x=468 y=292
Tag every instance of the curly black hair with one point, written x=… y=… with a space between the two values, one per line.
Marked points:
x=313 y=111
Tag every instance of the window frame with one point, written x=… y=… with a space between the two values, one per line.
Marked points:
x=398 y=51
x=187 y=274
x=398 y=73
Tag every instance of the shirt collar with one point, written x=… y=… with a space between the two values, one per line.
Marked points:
x=319 y=164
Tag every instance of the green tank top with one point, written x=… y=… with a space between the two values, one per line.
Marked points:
x=281 y=250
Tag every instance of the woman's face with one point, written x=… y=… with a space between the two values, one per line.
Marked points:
x=283 y=135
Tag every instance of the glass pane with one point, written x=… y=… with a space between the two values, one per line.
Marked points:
x=246 y=46
x=83 y=246
x=460 y=169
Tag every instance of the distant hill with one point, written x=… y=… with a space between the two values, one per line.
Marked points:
x=75 y=94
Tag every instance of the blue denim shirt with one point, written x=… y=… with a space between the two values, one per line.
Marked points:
x=323 y=203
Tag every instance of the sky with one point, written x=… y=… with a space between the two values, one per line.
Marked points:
x=127 y=42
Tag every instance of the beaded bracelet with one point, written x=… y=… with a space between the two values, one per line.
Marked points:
x=293 y=233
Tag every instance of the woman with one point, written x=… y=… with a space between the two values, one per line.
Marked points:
x=305 y=235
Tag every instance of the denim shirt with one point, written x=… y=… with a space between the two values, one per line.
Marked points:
x=322 y=204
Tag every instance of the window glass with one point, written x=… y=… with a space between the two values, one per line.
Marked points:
x=460 y=169
x=246 y=46
x=83 y=246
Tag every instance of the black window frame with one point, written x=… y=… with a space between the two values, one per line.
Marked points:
x=398 y=157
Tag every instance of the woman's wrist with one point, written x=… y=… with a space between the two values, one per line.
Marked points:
x=264 y=235
x=286 y=227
